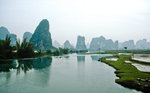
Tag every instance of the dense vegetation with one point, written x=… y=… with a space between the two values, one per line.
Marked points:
x=59 y=51
x=21 y=50
x=129 y=75
x=6 y=50
x=24 y=49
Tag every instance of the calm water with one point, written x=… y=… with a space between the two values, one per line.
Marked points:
x=62 y=74
x=142 y=57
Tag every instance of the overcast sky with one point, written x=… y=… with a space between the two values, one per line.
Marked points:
x=114 y=19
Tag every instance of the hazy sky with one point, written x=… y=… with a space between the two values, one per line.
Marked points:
x=116 y=19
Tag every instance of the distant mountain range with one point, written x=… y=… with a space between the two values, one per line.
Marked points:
x=27 y=35
x=101 y=43
x=41 y=39
x=56 y=44
x=104 y=44
x=140 y=44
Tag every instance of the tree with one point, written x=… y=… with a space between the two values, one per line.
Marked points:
x=24 y=49
x=125 y=48
x=6 y=50
x=64 y=50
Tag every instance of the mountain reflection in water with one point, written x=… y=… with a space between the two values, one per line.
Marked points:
x=60 y=74
x=25 y=65
x=97 y=57
x=81 y=58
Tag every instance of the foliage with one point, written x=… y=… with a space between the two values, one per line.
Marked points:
x=72 y=51
x=64 y=50
x=125 y=48
x=60 y=51
x=81 y=51
x=24 y=49
x=56 y=53
x=6 y=50
x=49 y=51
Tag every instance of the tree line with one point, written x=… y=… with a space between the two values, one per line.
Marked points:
x=25 y=49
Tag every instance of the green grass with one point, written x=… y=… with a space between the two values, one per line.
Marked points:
x=129 y=75
x=135 y=51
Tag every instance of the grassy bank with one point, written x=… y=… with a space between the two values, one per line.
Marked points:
x=138 y=51
x=129 y=76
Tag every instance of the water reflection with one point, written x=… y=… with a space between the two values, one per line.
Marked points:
x=25 y=65
x=81 y=58
x=6 y=66
x=42 y=71
x=42 y=62
x=78 y=74
x=81 y=67
x=67 y=57
x=97 y=57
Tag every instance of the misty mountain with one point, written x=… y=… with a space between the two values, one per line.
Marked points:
x=4 y=32
x=88 y=45
x=41 y=37
x=81 y=43
x=129 y=44
x=68 y=45
x=13 y=38
x=103 y=44
x=27 y=35
x=142 y=44
x=56 y=44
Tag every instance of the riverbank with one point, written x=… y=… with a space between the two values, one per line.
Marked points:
x=129 y=75
x=138 y=51
x=37 y=54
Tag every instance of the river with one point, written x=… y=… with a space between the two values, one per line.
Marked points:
x=60 y=74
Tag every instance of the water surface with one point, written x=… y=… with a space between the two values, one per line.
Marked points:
x=63 y=74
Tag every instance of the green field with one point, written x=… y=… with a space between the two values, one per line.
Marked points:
x=129 y=76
